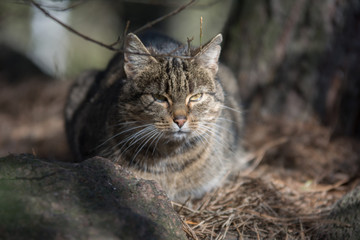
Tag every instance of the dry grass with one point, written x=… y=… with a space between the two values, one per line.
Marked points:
x=298 y=170
x=250 y=208
x=297 y=174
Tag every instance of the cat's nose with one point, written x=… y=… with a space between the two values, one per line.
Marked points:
x=180 y=120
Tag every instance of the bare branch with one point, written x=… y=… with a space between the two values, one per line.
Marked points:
x=118 y=40
x=160 y=19
x=38 y=6
x=111 y=46
x=125 y=32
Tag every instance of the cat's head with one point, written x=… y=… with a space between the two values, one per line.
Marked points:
x=175 y=97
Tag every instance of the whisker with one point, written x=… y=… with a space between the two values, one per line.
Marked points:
x=143 y=143
x=157 y=134
x=157 y=141
x=129 y=139
x=201 y=138
x=215 y=146
x=225 y=119
x=216 y=135
x=133 y=138
x=210 y=130
x=230 y=108
x=219 y=126
x=122 y=132
x=204 y=132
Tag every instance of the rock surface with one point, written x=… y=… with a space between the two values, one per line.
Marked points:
x=95 y=199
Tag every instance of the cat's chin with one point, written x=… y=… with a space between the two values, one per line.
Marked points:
x=179 y=135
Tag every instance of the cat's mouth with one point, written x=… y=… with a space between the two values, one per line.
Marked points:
x=180 y=134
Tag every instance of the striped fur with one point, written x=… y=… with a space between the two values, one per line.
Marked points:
x=163 y=112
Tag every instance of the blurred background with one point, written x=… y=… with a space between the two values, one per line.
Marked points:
x=60 y=53
x=295 y=61
x=297 y=64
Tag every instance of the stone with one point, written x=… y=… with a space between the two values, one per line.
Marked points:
x=94 y=199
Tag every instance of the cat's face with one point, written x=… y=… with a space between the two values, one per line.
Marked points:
x=173 y=98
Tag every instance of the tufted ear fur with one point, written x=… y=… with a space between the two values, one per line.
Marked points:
x=208 y=56
x=136 y=57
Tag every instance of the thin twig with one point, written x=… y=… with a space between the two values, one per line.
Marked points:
x=302 y=234
x=121 y=40
x=189 y=45
x=201 y=33
x=182 y=206
x=111 y=46
x=38 y=6
x=191 y=231
x=126 y=31
x=160 y=19
x=118 y=40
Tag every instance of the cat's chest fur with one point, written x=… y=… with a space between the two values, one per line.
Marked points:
x=162 y=110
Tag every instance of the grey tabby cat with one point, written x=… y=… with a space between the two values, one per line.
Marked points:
x=162 y=110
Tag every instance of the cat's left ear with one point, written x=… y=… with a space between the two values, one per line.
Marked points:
x=208 y=56
x=136 y=56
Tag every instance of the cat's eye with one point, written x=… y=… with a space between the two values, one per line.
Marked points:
x=196 y=97
x=159 y=98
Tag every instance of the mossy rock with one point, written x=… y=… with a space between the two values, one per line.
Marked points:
x=95 y=199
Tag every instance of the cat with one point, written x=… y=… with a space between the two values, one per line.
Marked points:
x=165 y=111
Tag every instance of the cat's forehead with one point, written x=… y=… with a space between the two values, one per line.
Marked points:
x=181 y=76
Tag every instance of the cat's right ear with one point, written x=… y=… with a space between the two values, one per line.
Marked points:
x=136 y=56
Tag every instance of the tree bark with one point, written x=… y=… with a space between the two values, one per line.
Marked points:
x=298 y=59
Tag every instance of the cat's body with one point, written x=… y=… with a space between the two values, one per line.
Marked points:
x=170 y=119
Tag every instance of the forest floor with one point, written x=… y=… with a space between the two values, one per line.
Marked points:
x=298 y=170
